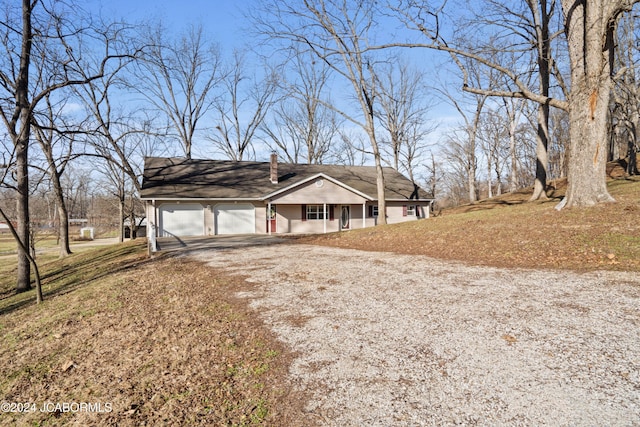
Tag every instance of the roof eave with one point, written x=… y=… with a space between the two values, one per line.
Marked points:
x=200 y=199
x=410 y=200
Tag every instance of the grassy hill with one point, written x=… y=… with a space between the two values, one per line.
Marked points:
x=508 y=231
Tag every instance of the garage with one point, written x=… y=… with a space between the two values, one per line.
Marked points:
x=181 y=220
x=235 y=218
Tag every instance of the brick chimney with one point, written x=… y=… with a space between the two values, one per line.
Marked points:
x=273 y=168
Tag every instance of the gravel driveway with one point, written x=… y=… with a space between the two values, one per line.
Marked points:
x=396 y=340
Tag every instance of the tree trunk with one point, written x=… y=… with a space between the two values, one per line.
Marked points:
x=121 y=217
x=63 y=229
x=472 y=162
x=65 y=248
x=541 y=18
x=588 y=147
x=542 y=159
x=21 y=142
x=513 y=179
x=590 y=26
x=22 y=211
x=382 y=203
x=25 y=250
x=489 y=172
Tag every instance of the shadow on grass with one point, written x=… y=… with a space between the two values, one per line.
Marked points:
x=65 y=275
x=489 y=204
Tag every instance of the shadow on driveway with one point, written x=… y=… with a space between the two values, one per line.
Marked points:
x=191 y=244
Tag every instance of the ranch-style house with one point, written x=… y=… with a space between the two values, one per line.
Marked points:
x=192 y=197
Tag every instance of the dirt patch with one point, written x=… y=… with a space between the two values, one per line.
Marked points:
x=388 y=339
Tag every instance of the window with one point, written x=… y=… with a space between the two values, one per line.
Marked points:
x=374 y=210
x=315 y=212
x=411 y=210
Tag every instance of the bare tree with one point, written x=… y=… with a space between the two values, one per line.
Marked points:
x=303 y=127
x=339 y=33
x=350 y=148
x=491 y=136
x=589 y=26
x=242 y=108
x=50 y=34
x=16 y=115
x=57 y=145
x=625 y=135
x=461 y=155
x=434 y=177
x=7 y=165
x=558 y=148
x=120 y=137
x=403 y=110
x=463 y=143
x=178 y=77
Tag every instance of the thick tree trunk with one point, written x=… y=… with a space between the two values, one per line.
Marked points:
x=590 y=26
x=25 y=250
x=23 y=281
x=21 y=142
x=588 y=147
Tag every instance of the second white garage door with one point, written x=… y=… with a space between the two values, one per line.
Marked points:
x=235 y=219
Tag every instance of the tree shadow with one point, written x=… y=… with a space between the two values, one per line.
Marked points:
x=490 y=204
x=73 y=272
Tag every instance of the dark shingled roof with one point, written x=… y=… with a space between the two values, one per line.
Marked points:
x=175 y=177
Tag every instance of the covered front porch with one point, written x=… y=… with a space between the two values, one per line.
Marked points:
x=317 y=218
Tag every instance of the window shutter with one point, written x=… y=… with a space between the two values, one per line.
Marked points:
x=304 y=212
x=370 y=211
x=404 y=210
x=331 y=213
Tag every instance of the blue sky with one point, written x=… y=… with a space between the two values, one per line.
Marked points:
x=221 y=19
x=224 y=23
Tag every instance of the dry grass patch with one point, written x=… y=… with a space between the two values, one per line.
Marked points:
x=163 y=342
x=509 y=232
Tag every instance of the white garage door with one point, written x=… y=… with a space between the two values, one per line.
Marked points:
x=181 y=220
x=235 y=219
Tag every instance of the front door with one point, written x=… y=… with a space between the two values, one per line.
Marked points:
x=345 y=218
x=271 y=219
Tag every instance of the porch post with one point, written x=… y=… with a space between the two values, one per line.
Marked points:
x=151 y=227
x=324 y=217
x=364 y=215
x=269 y=218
